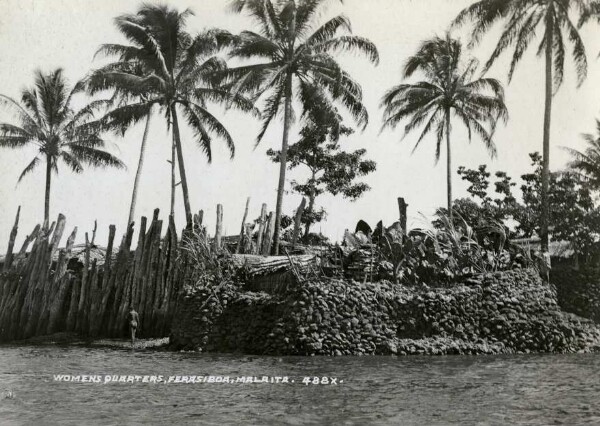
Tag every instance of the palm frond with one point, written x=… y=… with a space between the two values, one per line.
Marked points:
x=328 y=30
x=92 y=156
x=13 y=107
x=350 y=44
x=30 y=167
x=212 y=125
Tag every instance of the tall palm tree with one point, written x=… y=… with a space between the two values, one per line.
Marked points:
x=45 y=118
x=172 y=69
x=447 y=91
x=295 y=60
x=96 y=81
x=524 y=20
x=587 y=163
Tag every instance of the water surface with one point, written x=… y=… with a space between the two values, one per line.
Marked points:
x=532 y=389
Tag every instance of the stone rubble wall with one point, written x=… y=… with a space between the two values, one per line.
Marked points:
x=507 y=312
x=578 y=291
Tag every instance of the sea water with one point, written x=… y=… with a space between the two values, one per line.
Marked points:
x=69 y=385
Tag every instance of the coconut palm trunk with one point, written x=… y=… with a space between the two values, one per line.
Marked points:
x=182 y=176
x=47 y=194
x=138 y=172
x=449 y=166
x=173 y=183
x=544 y=219
x=287 y=123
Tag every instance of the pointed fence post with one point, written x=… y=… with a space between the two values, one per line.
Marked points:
x=268 y=237
x=11 y=242
x=242 y=231
x=402 y=206
x=261 y=228
x=219 y=228
x=297 y=220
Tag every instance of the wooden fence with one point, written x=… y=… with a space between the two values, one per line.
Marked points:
x=86 y=289
x=48 y=289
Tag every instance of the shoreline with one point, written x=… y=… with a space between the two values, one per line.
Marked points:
x=430 y=347
x=75 y=340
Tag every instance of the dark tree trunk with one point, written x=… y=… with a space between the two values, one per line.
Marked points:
x=47 y=195
x=287 y=122
x=182 y=176
x=544 y=218
x=449 y=166
x=138 y=173
x=173 y=183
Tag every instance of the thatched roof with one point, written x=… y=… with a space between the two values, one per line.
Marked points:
x=264 y=265
x=97 y=253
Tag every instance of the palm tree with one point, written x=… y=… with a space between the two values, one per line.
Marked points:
x=164 y=65
x=524 y=19
x=295 y=60
x=448 y=90
x=587 y=163
x=46 y=119
x=121 y=97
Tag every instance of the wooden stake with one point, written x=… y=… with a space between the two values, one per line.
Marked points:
x=11 y=242
x=31 y=237
x=402 y=206
x=261 y=228
x=297 y=220
x=219 y=228
x=268 y=238
x=239 y=246
x=94 y=232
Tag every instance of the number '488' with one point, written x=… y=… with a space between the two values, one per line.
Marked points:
x=320 y=380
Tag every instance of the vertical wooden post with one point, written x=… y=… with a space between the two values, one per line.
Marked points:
x=84 y=287
x=247 y=247
x=11 y=242
x=297 y=220
x=219 y=228
x=106 y=284
x=261 y=228
x=31 y=237
x=94 y=233
x=402 y=206
x=242 y=231
x=56 y=312
x=268 y=238
x=198 y=220
x=58 y=232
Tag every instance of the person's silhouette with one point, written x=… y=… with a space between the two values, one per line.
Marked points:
x=134 y=320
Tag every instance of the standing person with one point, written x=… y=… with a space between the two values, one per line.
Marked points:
x=134 y=320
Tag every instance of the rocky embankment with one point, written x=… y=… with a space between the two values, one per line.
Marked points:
x=508 y=312
x=578 y=291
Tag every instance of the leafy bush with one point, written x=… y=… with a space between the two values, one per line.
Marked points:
x=208 y=266
x=449 y=251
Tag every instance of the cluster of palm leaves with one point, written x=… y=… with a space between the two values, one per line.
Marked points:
x=163 y=69
x=46 y=119
x=179 y=73
x=296 y=60
x=449 y=90
x=556 y=23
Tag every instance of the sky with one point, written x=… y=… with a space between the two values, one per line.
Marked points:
x=43 y=34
